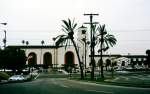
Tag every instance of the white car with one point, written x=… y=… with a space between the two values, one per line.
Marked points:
x=16 y=78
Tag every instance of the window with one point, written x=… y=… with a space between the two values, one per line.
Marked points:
x=83 y=31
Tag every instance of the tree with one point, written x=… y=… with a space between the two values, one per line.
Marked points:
x=23 y=42
x=105 y=41
x=148 y=58
x=13 y=58
x=108 y=63
x=114 y=63
x=42 y=42
x=68 y=28
x=27 y=43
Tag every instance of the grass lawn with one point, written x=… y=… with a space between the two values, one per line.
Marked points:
x=97 y=78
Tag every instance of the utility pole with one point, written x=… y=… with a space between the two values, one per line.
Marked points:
x=92 y=50
x=101 y=55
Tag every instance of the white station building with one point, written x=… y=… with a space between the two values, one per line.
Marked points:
x=57 y=56
x=54 y=56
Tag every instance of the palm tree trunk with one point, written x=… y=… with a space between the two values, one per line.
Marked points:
x=101 y=55
x=77 y=52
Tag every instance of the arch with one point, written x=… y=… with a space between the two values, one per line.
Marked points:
x=69 y=61
x=32 y=59
x=47 y=60
x=108 y=62
x=99 y=63
x=69 y=58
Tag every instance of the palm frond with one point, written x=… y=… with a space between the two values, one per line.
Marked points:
x=65 y=28
x=66 y=23
x=109 y=40
x=74 y=26
x=64 y=31
x=69 y=23
x=103 y=28
x=61 y=39
x=66 y=44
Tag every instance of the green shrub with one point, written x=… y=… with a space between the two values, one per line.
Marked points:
x=4 y=76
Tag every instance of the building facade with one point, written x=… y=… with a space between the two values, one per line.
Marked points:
x=57 y=57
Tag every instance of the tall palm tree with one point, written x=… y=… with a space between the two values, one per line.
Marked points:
x=23 y=42
x=148 y=58
x=68 y=28
x=105 y=41
x=42 y=42
x=27 y=43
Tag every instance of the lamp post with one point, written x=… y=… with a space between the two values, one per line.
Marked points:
x=42 y=42
x=83 y=41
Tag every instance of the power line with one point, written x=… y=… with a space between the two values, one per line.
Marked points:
x=136 y=30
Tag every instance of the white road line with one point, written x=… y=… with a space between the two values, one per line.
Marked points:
x=37 y=76
x=101 y=91
x=64 y=86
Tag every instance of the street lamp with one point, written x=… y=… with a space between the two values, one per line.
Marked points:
x=42 y=42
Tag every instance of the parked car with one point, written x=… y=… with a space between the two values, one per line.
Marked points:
x=16 y=78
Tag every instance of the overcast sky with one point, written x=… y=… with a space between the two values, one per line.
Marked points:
x=36 y=20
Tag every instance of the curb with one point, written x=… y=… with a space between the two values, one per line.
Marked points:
x=4 y=81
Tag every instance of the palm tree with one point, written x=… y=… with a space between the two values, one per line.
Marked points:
x=42 y=42
x=23 y=42
x=68 y=28
x=105 y=41
x=27 y=43
x=148 y=58
x=108 y=63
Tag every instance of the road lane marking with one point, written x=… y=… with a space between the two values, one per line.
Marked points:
x=101 y=91
x=37 y=76
x=64 y=86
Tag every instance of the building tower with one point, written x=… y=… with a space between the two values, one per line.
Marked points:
x=82 y=42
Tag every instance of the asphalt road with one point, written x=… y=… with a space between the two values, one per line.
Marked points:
x=46 y=84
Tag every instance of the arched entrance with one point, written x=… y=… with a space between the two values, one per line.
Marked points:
x=69 y=60
x=47 y=60
x=32 y=59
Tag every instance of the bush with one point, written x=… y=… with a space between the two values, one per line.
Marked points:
x=4 y=76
